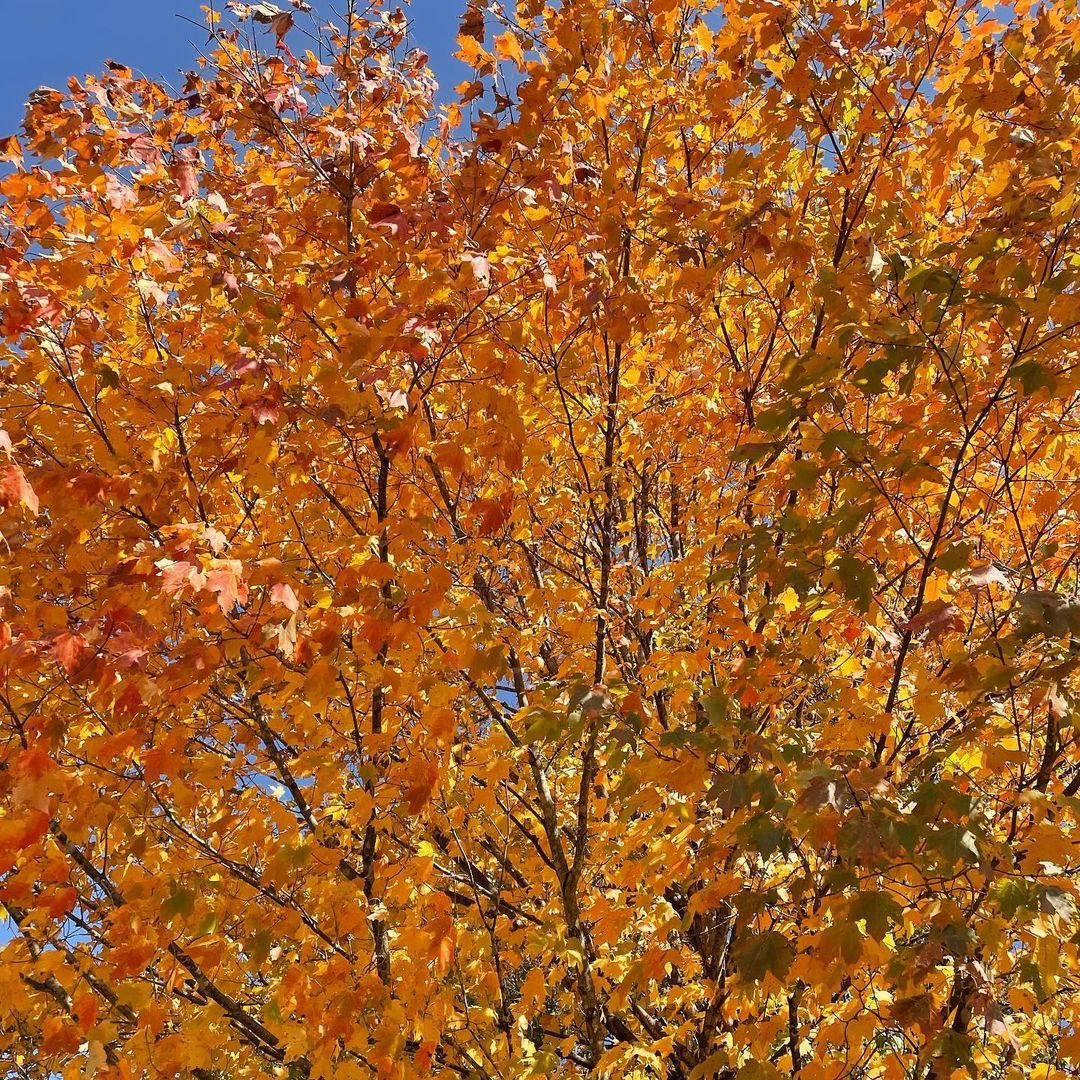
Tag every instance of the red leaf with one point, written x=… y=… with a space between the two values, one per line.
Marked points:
x=936 y=618
x=281 y=24
x=32 y=770
x=265 y=411
x=481 y=269
x=986 y=575
x=58 y=903
x=59 y=1036
x=387 y=216
x=67 y=649
x=472 y=22
x=492 y=514
x=283 y=594
x=86 y=1010
x=15 y=488
x=140 y=149
x=10 y=150
x=228 y=586
x=186 y=181
x=441 y=947
x=175 y=575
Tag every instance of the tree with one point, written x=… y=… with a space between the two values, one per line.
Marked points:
x=581 y=581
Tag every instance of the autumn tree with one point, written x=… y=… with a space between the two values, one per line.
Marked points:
x=576 y=579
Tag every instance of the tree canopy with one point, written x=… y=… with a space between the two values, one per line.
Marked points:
x=579 y=579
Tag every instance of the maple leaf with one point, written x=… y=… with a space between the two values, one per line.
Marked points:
x=281 y=24
x=68 y=648
x=266 y=410
x=282 y=593
x=10 y=149
x=34 y=768
x=441 y=947
x=472 y=22
x=986 y=575
x=228 y=584
x=86 y=1007
x=261 y=11
x=387 y=216
x=646 y=642
x=479 y=267
x=59 y=1036
x=15 y=489
x=176 y=575
x=936 y=618
x=284 y=636
x=492 y=514
x=877 y=910
x=140 y=148
x=508 y=47
x=423 y=777
x=187 y=183
x=758 y=955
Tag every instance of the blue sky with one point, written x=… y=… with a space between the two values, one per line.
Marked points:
x=46 y=41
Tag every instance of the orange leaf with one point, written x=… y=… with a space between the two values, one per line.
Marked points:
x=508 y=47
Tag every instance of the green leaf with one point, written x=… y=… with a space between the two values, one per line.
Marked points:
x=764 y=836
x=878 y=910
x=804 y=474
x=849 y=442
x=107 y=376
x=775 y=420
x=259 y=945
x=544 y=725
x=958 y=844
x=841 y=940
x=758 y=955
x=758 y=1070
x=858 y=580
x=870 y=378
x=1032 y=376
x=1012 y=895
x=754 y=452
x=956 y=557
x=181 y=902
x=933 y=279
x=1046 y=612
x=716 y=706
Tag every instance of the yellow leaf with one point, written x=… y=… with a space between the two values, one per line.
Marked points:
x=508 y=47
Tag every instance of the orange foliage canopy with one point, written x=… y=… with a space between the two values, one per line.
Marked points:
x=579 y=582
